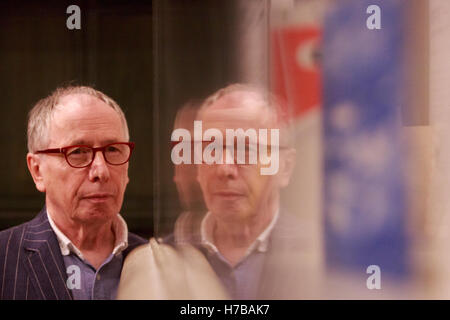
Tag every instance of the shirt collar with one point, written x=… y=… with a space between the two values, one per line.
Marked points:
x=207 y=240
x=119 y=227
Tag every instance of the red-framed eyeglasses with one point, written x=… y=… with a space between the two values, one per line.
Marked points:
x=81 y=156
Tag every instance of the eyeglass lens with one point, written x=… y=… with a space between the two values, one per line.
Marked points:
x=82 y=156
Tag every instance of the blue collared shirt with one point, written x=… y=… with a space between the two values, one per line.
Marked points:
x=100 y=284
x=242 y=281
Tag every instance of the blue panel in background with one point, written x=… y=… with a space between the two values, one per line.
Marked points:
x=364 y=190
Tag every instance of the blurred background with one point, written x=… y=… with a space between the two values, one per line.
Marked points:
x=370 y=108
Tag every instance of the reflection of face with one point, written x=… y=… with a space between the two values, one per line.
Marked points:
x=185 y=174
x=187 y=187
x=94 y=193
x=236 y=191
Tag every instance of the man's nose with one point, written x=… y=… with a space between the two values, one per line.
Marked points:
x=99 y=170
x=228 y=170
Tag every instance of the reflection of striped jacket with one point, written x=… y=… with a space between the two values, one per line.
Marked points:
x=31 y=264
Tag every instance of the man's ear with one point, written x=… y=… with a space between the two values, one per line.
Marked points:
x=35 y=168
x=287 y=165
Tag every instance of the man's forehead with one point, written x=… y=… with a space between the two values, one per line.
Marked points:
x=78 y=106
x=238 y=109
x=78 y=116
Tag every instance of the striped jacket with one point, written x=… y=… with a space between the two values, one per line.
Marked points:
x=31 y=264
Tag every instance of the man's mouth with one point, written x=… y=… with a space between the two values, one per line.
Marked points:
x=227 y=194
x=98 y=197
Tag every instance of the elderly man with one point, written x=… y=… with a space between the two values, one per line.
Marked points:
x=251 y=242
x=79 y=149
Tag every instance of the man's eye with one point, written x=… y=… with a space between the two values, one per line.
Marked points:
x=75 y=151
x=112 y=149
x=78 y=151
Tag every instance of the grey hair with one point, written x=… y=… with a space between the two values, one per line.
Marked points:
x=40 y=115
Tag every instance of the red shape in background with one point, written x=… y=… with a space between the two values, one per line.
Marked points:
x=297 y=85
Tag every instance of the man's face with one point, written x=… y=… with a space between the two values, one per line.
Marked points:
x=94 y=193
x=235 y=192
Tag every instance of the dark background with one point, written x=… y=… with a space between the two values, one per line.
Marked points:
x=150 y=56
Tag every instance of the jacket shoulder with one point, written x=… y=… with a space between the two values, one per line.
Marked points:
x=38 y=220
x=7 y=234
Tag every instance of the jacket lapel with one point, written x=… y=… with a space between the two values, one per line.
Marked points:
x=43 y=261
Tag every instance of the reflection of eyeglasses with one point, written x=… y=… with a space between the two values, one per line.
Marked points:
x=80 y=156
x=241 y=154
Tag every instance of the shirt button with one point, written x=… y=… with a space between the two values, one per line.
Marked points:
x=98 y=277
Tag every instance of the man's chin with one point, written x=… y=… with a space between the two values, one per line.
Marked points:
x=96 y=213
x=230 y=212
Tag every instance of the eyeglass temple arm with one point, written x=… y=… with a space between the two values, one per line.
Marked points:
x=57 y=150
